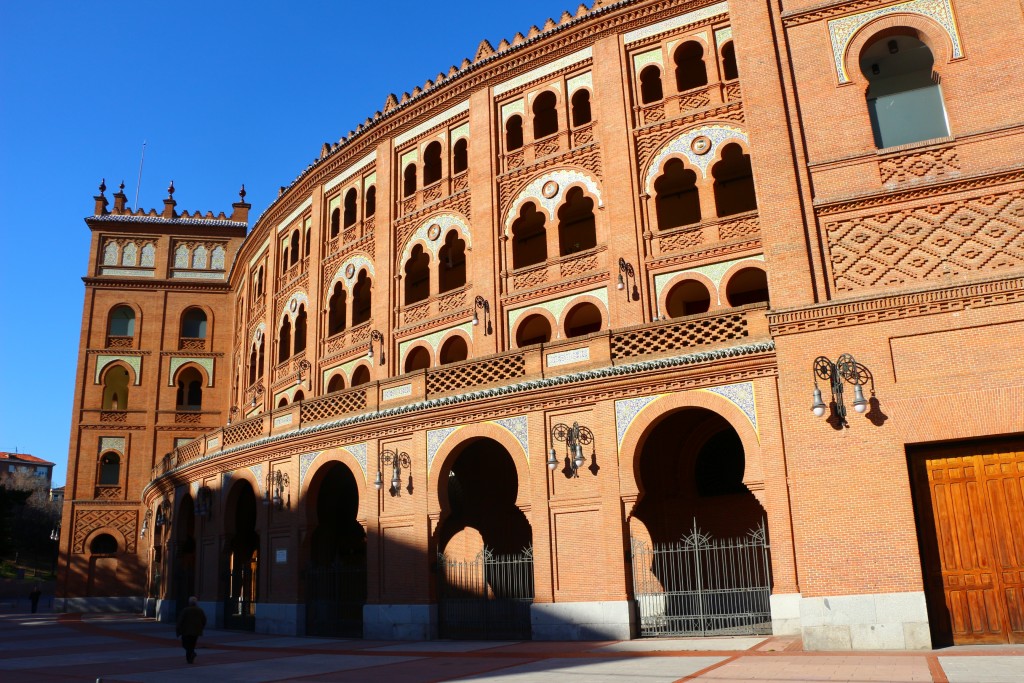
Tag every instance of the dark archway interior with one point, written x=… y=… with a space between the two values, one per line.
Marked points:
x=185 y=552
x=482 y=490
x=243 y=544
x=337 y=538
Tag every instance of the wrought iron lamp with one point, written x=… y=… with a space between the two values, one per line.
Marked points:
x=55 y=532
x=163 y=514
x=845 y=369
x=575 y=438
x=397 y=461
x=204 y=502
x=376 y=336
x=257 y=394
x=484 y=305
x=304 y=367
x=232 y=414
x=145 y=523
x=627 y=273
x=279 y=483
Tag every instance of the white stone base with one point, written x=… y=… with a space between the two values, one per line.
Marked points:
x=280 y=618
x=93 y=605
x=165 y=610
x=883 y=621
x=399 y=622
x=785 y=614
x=611 y=620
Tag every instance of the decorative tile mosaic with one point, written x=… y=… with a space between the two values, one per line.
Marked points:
x=410 y=157
x=584 y=80
x=681 y=145
x=130 y=255
x=258 y=333
x=193 y=275
x=134 y=362
x=713 y=272
x=435 y=438
x=358 y=263
x=148 y=256
x=204 y=363
x=305 y=461
x=182 y=440
x=260 y=253
x=519 y=428
x=123 y=272
x=291 y=308
x=626 y=411
x=400 y=391
x=349 y=172
x=742 y=395
x=346 y=368
x=358 y=451
x=676 y=22
x=217 y=259
x=112 y=443
x=723 y=35
x=432 y=122
x=199 y=257
x=507 y=110
x=282 y=420
x=434 y=338
x=542 y=71
x=842 y=30
x=568 y=357
x=110 y=254
x=213 y=443
x=370 y=180
x=448 y=222
x=181 y=256
x=557 y=306
x=564 y=178
x=257 y=471
x=644 y=58
x=460 y=132
x=295 y=214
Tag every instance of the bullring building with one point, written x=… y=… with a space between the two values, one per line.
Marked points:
x=663 y=318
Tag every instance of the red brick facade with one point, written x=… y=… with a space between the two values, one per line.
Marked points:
x=473 y=236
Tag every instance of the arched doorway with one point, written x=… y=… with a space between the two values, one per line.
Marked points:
x=485 y=564
x=701 y=563
x=336 y=574
x=242 y=548
x=185 y=554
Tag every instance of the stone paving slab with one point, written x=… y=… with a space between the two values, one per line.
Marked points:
x=683 y=644
x=604 y=670
x=443 y=646
x=982 y=669
x=89 y=658
x=815 y=668
x=263 y=671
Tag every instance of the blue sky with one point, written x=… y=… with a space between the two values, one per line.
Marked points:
x=223 y=93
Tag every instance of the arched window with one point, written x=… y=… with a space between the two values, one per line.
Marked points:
x=418 y=359
x=689 y=297
x=193 y=324
x=650 y=85
x=104 y=544
x=454 y=350
x=300 y=330
x=460 y=156
x=284 y=339
x=335 y=222
x=432 y=163
x=529 y=238
x=122 y=322
x=252 y=365
x=259 y=359
x=305 y=239
x=283 y=402
x=409 y=188
x=190 y=390
x=110 y=469
x=729 y=70
x=361 y=301
x=513 y=133
x=747 y=286
x=581 y=107
x=535 y=329
x=691 y=71
x=545 y=116
x=452 y=265
x=337 y=310
x=360 y=375
x=299 y=396
x=904 y=98
x=284 y=259
x=676 y=198
x=577 y=230
x=370 y=202
x=417 y=276
x=115 y=388
x=295 y=247
x=734 y=182
x=583 y=319
x=337 y=383
x=257 y=288
x=350 y=207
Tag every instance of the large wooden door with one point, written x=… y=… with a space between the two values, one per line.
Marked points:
x=970 y=511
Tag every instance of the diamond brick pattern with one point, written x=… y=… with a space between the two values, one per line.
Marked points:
x=333 y=405
x=244 y=431
x=476 y=374
x=679 y=335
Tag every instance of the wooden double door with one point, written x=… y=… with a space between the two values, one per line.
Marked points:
x=969 y=500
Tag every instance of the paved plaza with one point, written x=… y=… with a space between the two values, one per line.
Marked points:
x=48 y=647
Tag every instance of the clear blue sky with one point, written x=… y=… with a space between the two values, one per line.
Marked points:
x=224 y=93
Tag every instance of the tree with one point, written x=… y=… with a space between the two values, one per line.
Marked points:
x=27 y=515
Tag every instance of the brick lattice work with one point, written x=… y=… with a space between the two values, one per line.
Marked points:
x=88 y=520
x=244 y=431
x=476 y=374
x=681 y=335
x=333 y=405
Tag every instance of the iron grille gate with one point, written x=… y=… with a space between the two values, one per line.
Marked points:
x=486 y=598
x=335 y=597
x=702 y=586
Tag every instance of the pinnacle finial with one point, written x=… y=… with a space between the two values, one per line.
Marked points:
x=103 y=185
x=241 y=193
x=121 y=187
x=170 y=190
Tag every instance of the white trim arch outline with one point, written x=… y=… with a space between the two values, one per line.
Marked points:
x=447 y=222
x=681 y=146
x=358 y=262
x=564 y=179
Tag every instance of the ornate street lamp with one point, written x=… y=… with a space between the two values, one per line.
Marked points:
x=575 y=438
x=845 y=369
x=376 y=336
x=204 y=502
x=397 y=461
x=257 y=394
x=627 y=273
x=304 y=367
x=484 y=305
x=278 y=483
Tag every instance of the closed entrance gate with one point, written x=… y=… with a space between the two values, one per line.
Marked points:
x=702 y=586
x=334 y=601
x=486 y=598
x=970 y=516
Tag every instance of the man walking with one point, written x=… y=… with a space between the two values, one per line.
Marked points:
x=190 y=627
x=34 y=598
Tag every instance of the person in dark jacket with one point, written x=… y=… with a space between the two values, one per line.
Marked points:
x=34 y=598
x=190 y=627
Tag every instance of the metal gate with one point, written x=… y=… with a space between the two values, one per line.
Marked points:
x=335 y=597
x=486 y=598
x=702 y=586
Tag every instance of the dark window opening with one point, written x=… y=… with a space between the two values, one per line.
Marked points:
x=110 y=469
x=688 y=298
x=535 y=329
x=361 y=299
x=284 y=341
x=300 y=330
x=371 y=201
x=122 y=322
x=529 y=238
x=734 y=182
x=545 y=116
x=676 y=198
x=432 y=163
x=193 y=324
x=337 y=310
x=729 y=70
x=418 y=359
x=417 y=276
x=650 y=85
x=513 y=133
x=691 y=71
x=409 y=187
x=350 y=207
x=582 y=319
x=454 y=350
x=577 y=229
x=460 y=156
x=581 y=107
x=452 y=265
x=747 y=286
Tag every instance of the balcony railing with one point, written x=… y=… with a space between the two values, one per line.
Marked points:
x=691 y=237
x=556 y=143
x=437 y=305
x=679 y=104
x=117 y=342
x=561 y=268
